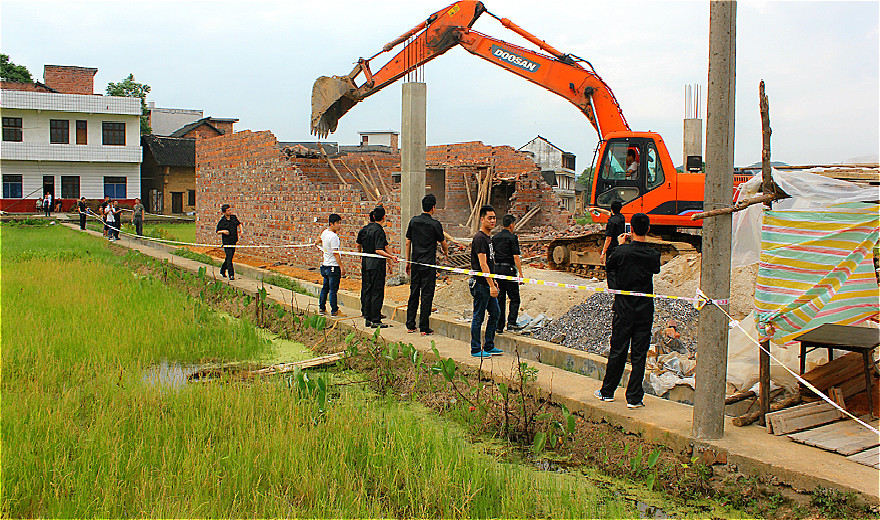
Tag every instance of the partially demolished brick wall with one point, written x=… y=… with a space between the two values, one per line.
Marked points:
x=279 y=199
x=283 y=196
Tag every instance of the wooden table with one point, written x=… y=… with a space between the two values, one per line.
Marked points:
x=841 y=337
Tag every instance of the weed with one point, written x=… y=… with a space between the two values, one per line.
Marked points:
x=198 y=257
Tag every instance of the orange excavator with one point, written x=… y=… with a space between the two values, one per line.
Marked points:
x=633 y=167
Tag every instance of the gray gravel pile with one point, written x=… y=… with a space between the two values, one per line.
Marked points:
x=588 y=326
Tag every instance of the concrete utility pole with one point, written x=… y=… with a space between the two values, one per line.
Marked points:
x=413 y=142
x=711 y=371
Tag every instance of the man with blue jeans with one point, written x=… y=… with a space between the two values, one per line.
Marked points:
x=331 y=266
x=483 y=289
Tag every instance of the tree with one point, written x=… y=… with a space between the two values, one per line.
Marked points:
x=11 y=72
x=586 y=177
x=131 y=88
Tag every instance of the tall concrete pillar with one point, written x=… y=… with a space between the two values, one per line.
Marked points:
x=693 y=140
x=711 y=373
x=413 y=142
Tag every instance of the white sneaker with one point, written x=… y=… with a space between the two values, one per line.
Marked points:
x=598 y=395
x=637 y=405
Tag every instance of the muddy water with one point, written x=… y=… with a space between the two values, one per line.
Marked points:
x=169 y=375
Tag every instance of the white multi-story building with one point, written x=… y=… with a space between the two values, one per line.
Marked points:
x=557 y=167
x=70 y=144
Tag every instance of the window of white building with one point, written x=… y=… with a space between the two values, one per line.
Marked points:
x=114 y=187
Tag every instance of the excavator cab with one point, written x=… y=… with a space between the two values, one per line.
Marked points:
x=629 y=168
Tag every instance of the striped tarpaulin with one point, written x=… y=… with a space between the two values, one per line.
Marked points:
x=816 y=267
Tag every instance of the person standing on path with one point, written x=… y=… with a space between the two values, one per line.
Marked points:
x=483 y=289
x=331 y=266
x=423 y=233
x=103 y=212
x=635 y=265
x=371 y=239
x=137 y=217
x=117 y=216
x=615 y=227
x=83 y=209
x=110 y=221
x=508 y=262
x=228 y=230
x=47 y=203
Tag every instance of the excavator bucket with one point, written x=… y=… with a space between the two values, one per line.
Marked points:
x=332 y=97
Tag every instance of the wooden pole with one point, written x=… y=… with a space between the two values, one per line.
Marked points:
x=332 y=167
x=739 y=206
x=769 y=188
x=764 y=378
x=767 y=183
x=381 y=178
x=711 y=373
x=467 y=189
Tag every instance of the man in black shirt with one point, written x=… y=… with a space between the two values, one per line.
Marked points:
x=507 y=262
x=615 y=227
x=81 y=206
x=634 y=265
x=371 y=239
x=103 y=214
x=483 y=289
x=422 y=236
x=227 y=228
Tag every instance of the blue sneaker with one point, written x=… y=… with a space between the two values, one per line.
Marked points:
x=495 y=351
x=481 y=354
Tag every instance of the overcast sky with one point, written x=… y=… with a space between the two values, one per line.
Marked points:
x=257 y=61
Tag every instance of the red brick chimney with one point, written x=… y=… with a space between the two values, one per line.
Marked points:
x=69 y=79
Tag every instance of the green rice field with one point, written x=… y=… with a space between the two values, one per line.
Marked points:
x=86 y=431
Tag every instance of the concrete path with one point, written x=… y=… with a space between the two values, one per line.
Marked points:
x=750 y=450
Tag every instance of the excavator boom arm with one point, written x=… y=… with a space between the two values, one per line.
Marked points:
x=561 y=74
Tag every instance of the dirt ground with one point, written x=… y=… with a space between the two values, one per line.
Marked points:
x=681 y=277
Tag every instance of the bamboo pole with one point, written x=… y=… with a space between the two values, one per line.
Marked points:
x=332 y=167
x=381 y=178
x=467 y=189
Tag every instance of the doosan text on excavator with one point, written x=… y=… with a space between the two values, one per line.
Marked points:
x=651 y=186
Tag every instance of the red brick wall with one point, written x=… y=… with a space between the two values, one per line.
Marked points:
x=27 y=87
x=68 y=79
x=224 y=126
x=279 y=196
x=201 y=132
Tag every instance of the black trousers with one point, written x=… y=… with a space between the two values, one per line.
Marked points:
x=507 y=289
x=421 y=290
x=372 y=294
x=629 y=332
x=138 y=226
x=82 y=221
x=227 y=266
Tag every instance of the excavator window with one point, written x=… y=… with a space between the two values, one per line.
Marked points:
x=654 y=176
x=619 y=172
x=614 y=165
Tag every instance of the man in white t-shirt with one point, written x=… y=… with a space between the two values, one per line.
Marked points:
x=110 y=219
x=331 y=266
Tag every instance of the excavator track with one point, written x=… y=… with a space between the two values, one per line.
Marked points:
x=580 y=254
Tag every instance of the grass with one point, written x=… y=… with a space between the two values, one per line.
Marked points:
x=198 y=257
x=178 y=232
x=85 y=435
x=287 y=283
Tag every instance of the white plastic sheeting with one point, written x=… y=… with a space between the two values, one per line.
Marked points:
x=808 y=191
